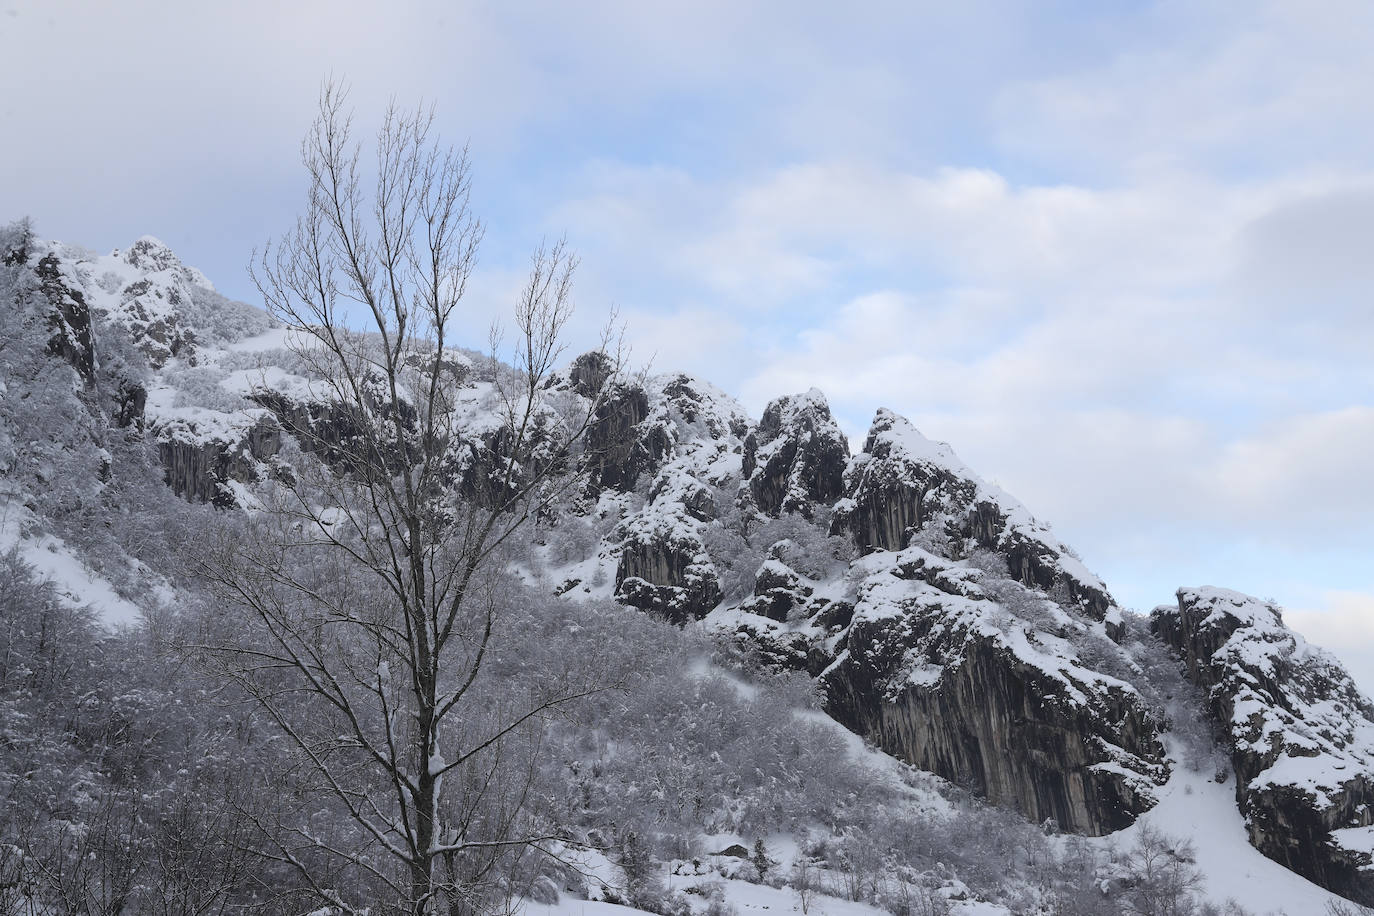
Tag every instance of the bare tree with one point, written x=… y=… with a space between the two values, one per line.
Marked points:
x=1163 y=879
x=804 y=881
x=374 y=581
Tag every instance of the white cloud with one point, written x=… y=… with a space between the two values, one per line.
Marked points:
x=1312 y=254
x=1310 y=471
x=1198 y=86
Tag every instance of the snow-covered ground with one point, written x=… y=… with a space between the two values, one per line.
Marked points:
x=748 y=899
x=76 y=583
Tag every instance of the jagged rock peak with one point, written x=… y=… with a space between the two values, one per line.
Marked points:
x=151 y=255
x=903 y=483
x=1301 y=733
x=589 y=373
x=704 y=410
x=795 y=457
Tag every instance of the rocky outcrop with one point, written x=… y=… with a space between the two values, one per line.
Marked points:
x=203 y=464
x=677 y=485
x=790 y=622
x=903 y=483
x=936 y=672
x=69 y=318
x=329 y=429
x=589 y=374
x=688 y=438
x=663 y=566
x=1300 y=731
x=131 y=400
x=702 y=410
x=618 y=449
x=795 y=458
x=779 y=592
x=150 y=311
x=640 y=424
x=152 y=307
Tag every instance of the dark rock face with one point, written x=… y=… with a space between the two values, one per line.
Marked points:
x=70 y=319
x=771 y=646
x=903 y=483
x=325 y=428
x=151 y=256
x=199 y=467
x=796 y=457
x=475 y=465
x=150 y=311
x=590 y=372
x=787 y=625
x=153 y=307
x=664 y=568
x=640 y=424
x=779 y=591
x=1301 y=734
x=618 y=449
x=675 y=485
x=935 y=674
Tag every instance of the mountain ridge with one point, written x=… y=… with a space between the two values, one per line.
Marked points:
x=937 y=616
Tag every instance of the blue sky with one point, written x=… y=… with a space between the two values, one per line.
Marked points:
x=1118 y=255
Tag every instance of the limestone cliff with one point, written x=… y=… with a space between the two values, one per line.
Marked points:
x=939 y=618
x=993 y=693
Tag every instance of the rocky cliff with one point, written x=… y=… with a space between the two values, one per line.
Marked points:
x=1300 y=732
x=988 y=687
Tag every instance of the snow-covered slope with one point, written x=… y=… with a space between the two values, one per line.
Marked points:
x=1195 y=807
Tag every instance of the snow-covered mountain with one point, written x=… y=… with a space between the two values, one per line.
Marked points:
x=935 y=617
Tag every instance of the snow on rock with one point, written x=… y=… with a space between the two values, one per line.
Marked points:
x=663 y=566
x=984 y=691
x=165 y=306
x=701 y=410
x=688 y=433
x=903 y=483
x=641 y=423
x=173 y=316
x=205 y=454
x=741 y=897
x=795 y=458
x=1013 y=692
x=779 y=590
x=70 y=315
x=1301 y=733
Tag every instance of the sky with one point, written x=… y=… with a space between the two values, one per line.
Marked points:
x=1119 y=255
